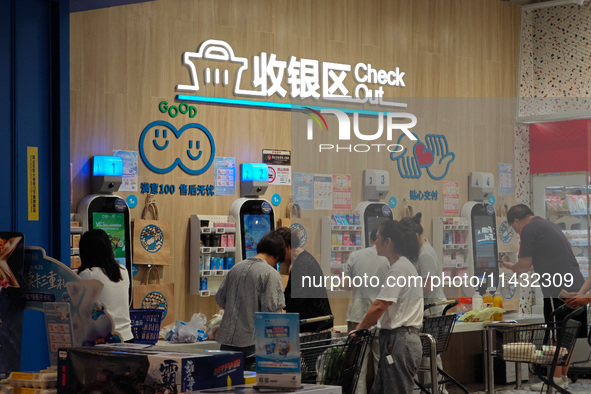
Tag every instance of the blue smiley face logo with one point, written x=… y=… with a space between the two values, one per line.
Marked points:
x=198 y=149
x=159 y=138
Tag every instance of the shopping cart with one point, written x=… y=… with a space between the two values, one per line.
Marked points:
x=312 y=344
x=544 y=344
x=435 y=336
x=329 y=361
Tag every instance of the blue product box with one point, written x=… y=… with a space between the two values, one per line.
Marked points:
x=229 y=262
x=123 y=369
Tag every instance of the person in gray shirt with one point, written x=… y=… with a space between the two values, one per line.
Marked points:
x=252 y=285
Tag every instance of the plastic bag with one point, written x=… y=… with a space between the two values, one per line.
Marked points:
x=480 y=315
x=167 y=331
x=214 y=324
x=188 y=333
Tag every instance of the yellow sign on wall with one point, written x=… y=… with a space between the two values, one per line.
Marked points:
x=33 y=182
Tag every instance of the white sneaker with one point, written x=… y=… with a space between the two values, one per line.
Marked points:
x=539 y=386
x=564 y=381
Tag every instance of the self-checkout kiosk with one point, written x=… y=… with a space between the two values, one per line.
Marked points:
x=376 y=186
x=253 y=215
x=106 y=211
x=482 y=242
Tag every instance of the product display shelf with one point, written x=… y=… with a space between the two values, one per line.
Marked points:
x=337 y=241
x=75 y=234
x=450 y=241
x=568 y=207
x=205 y=279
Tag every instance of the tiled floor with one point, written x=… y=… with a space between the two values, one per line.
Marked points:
x=582 y=386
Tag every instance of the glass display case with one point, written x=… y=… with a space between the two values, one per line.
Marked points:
x=564 y=200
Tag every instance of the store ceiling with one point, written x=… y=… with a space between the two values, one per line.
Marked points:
x=86 y=5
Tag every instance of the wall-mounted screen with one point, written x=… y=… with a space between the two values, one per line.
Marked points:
x=113 y=223
x=373 y=216
x=255 y=227
x=484 y=240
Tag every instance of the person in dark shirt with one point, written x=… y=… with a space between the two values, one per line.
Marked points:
x=545 y=248
x=309 y=299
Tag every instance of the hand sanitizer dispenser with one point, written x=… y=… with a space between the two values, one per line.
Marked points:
x=376 y=184
x=480 y=186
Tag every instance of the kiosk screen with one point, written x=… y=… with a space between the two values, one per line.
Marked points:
x=113 y=223
x=373 y=222
x=484 y=244
x=255 y=227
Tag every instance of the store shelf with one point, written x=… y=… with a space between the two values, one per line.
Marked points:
x=218 y=230
x=217 y=249
x=456 y=227
x=340 y=227
x=342 y=248
x=579 y=243
x=334 y=256
x=214 y=273
x=454 y=257
x=75 y=230
x=454 y=246
x=206 y=282
x=455 y=265
x=567 y=212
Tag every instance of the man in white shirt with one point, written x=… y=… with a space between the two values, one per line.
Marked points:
x=364 y=263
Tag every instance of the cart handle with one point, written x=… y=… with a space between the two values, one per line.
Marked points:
x=450 y=304
x=364 y=332
x=565 y=307
x=317 y=319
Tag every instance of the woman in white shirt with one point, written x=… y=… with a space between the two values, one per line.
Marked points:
x=98 y=262
x=398 y=311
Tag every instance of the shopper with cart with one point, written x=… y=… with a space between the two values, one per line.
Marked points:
x=427 y=267
x=398 y=311
x=545 y=248
x=252 y=285
x=364 y=263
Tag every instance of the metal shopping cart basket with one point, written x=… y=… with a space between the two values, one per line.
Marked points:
x=329 y=361
x=435 y=336
x=543 y=344
x=312 y=344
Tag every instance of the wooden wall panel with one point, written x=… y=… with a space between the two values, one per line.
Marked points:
x=126 y=60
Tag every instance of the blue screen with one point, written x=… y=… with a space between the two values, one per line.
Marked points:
x=255 y=227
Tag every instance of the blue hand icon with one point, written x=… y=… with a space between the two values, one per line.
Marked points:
x=437 y=144
x=408 y=167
